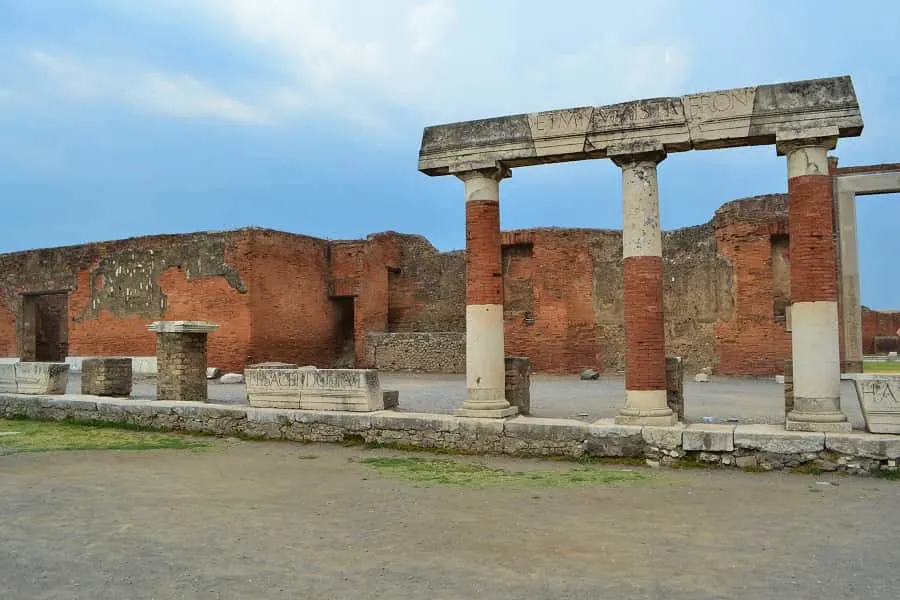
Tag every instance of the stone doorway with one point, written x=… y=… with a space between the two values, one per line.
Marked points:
x=45 y=327
x=346 y=338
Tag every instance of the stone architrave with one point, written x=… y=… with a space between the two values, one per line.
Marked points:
x=41 y=377
x=749 y=116
x=879 y=398
x=8 y=378
x=181 y=359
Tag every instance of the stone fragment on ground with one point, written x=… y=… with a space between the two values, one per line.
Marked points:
x=590 y=375
x=231 y=378
x=213 y=373
x=701 y=377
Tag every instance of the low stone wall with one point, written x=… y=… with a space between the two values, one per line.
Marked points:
x=764 y=447
x=424 y=352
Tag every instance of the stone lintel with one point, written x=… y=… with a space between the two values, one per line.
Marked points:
x=749 y=116
x=182 y=327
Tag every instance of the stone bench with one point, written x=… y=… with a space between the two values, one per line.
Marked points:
x=281 y=385
x=879 y=399
x=36 y=378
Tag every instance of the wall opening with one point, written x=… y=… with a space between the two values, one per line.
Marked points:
x=345 y=332
x=45 y=327
x=780 y=262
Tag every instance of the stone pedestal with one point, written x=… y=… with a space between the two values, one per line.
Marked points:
x=485 y=372
x=646 y=399
x=675 y=385
x=518 y=383
x=106 y=376
x=181 y=359
x=815 y=339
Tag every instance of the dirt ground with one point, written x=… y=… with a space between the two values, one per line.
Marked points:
x=247 y=520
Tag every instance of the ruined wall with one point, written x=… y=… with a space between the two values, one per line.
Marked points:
x=752 y=235
x=876 y=324
x=116 y=288
x=426 y=352
x=292 y=317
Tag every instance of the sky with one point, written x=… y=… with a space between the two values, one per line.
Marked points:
x=121 y=118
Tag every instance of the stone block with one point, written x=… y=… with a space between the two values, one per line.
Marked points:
x=8 y=378
x=879 y=398
x=41 y=377
x=605 y=438
x=878 y=446
x=666 y=438
x=708 y=438
x=416 y=421
x=230 y=378
x=518 y=383
x=106 y=376
x=553 y=430
x=391 y=399
x=341 y=389
x=774 y=439
x=746 y=462
x=675 y=385
x=701 y=378
x=273 y=386
x=213 y=373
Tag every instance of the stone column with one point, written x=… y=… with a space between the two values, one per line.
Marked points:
x=181 y=359
x=645 y=338
x=485 y=369
x=849 y=269
x=815 y=344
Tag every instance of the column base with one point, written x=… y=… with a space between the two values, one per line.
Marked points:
x=487 y=413
x=646 y=407
x=821 y=422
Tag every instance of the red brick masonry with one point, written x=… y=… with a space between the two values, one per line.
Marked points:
x=645 y=335
x=484 y=269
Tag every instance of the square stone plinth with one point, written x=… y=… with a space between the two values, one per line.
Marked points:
x=106 y=376
x=181 y=359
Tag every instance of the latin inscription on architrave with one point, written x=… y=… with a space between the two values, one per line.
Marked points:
x=643 y=113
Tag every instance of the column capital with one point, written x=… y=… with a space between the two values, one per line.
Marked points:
x=788 y=142
x=495 y=173
x=628 y=154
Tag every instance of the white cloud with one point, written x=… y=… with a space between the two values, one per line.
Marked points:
x=363 y=62
x=137 y=87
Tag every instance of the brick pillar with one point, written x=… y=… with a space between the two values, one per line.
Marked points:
x=181 y=359
x=815 y=340
x=485 y=370
x=645 y=336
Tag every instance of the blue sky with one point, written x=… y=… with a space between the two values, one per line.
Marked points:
x=133 y=117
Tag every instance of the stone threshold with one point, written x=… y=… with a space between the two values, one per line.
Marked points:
x=758 y=447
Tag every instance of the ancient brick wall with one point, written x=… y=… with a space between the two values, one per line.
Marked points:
x=292 y=318
x=876 y=324
x=115 y=289
x=752 y=235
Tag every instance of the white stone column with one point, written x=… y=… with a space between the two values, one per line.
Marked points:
x=849 y=265
x=485 y=367
x=815 y=345
x=645 y=337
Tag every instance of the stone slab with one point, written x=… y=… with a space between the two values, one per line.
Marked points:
x=182 y=327
x=746 y=116
x=774 y=438
x=708 y=438
x=494 y=413
x=8 y=378
x=41 y=377
x=666 y=438
x=273 y=387
x=862 y=444
x=606 y=438
x=879 y=398
x=841 y=427
x=556 y=430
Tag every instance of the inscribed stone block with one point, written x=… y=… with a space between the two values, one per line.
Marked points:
x=8 y=378
x=341 y=389
x=879 y=397
x=273 y=386
x=42 y=377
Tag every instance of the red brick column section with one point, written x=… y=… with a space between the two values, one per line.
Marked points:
x=645 y=339
x=181 y=359
x=815 y=338
x=485 y=367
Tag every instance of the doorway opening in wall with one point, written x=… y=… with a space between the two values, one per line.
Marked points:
x=45 y=327
x=346 y=358
x=878 y=221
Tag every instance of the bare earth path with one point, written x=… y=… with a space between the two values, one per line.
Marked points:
x=248 y=520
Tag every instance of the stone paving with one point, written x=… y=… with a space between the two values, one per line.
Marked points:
x=725 y=400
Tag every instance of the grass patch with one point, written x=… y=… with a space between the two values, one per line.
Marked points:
x=451 y=472
x=885 y=474
x=41 y=436
x=881 y=367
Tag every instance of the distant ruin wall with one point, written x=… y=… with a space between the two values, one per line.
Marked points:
x=424 y=352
